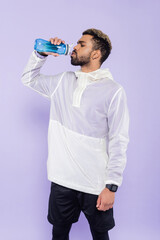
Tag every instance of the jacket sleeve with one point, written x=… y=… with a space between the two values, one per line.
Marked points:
x=118 y=138
x=46 y=85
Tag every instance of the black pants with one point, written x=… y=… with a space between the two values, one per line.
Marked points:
x=64 y=208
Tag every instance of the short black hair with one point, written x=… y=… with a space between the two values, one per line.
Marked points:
x=100 y=41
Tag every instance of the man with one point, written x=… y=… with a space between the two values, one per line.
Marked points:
x=87 y=135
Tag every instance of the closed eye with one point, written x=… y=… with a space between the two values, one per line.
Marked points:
x=81 y=43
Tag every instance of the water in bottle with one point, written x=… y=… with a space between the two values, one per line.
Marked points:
x=42 y=45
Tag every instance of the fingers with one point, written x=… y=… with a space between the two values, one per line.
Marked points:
x=54 y=54
x=104 y=207
x=51 y=53
x=56 y=41
x=98 y=202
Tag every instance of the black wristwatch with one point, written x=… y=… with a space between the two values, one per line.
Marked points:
x=112 y=187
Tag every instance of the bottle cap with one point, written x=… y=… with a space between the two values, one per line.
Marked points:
x=68 y=49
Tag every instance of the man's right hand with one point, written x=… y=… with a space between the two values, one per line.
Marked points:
x=55 y=41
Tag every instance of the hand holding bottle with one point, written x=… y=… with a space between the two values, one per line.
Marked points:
x=55 y=41
x=54 y=46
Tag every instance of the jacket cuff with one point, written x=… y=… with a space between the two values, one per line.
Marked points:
x=39 y=55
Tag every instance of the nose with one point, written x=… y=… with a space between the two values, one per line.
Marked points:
x=75 y=47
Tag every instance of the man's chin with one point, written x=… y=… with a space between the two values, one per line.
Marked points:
x=74 y=63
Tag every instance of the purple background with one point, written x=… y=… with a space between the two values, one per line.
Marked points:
x=133 y=27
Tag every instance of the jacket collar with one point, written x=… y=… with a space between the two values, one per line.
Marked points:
x=95 y=75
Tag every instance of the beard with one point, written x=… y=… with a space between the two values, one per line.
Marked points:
x=80 y=61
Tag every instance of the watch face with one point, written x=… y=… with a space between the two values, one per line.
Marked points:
x=114 y=188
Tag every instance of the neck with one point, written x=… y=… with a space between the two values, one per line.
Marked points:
x=88 y=68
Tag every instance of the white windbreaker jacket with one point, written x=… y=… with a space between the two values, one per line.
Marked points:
x=88 y=127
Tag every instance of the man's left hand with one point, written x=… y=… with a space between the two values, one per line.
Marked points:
x=105 y=200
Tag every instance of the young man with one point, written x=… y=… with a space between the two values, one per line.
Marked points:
x=87 y=135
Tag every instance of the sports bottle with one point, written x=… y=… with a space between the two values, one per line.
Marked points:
x=42 y=45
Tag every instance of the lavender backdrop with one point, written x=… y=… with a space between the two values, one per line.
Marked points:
x=133 y=27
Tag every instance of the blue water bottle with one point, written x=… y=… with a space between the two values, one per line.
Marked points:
x=42 y=45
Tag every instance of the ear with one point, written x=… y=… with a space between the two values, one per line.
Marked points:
x=96 y=54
